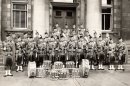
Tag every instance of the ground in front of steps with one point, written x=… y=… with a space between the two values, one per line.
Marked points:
x=96 y=78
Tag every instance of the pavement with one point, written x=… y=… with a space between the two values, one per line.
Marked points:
x=96 y=78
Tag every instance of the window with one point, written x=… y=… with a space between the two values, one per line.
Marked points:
x=106 y=15
x=67 y=1
x=69 y=14
x=19 y=15
x=106 y=2
x=58 y=13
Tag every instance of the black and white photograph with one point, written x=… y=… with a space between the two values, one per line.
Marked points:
x=64 y=42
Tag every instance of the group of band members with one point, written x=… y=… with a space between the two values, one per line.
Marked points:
x=63 y=45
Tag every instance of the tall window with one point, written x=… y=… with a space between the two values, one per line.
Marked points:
x=20 y=15
x=106 y=14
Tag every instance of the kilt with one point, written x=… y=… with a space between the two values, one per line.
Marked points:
x=9 y=62
x=121 y=59
x=19 y=60
x=100 y=57
x=111 y=59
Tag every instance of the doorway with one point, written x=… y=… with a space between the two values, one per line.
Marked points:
x=63 y=16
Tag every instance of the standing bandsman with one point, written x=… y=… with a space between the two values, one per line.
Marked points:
x=121 y=53
x=71 y=47
x=31 y=50
x=40 y=53
x=25 y=41
x=106 y=48
x=19 y=54
x=52 y=46
x=80 y=46
x=8 y=49
x=62 y=48
x=100 y=53
x=111 y=54
x=91 y=52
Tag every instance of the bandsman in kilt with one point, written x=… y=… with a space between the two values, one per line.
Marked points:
x=25 y=41
x=120 y=49
x=52 y=45
x=111 y=54
x=40 y=53
x=100 y=53
x=79 y=49
x=19 y=54
x=91 y=54
x=106 y=49
x=46 y=46
x=71 y=48
x=31 y=50
x=62 y=48
x=8 y=50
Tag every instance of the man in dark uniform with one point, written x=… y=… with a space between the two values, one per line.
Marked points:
x=8 y=48
x=100 y=52
x=79 y=49
x=91 y=52
x=40 y=53
x=62 y=48
x=52 y=45
x=25 y=57
x=121 y=53
x=111 y=54
x=71 y=48
x=19 y=54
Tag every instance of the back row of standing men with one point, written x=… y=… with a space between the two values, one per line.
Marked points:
x=63 y=45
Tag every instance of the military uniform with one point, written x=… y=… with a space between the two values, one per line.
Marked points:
x=120 y=54
x=62 y=49
x=111 y=55
x=91 y=52
x=52 y=46
x=100 y=52
x=8 y=49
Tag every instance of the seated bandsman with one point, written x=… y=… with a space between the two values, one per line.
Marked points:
x=121 y=54
x=100 y=53
x=111 y=54
x=8 y=49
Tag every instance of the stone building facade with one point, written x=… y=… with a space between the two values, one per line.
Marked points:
x=28 y=16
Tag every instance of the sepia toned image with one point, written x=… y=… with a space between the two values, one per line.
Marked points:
x=64 y=42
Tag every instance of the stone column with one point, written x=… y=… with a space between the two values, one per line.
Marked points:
x=93 y=19
x=40 y=16
x=0 y=20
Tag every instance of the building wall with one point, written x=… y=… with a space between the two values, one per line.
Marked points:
x=6 y=20
x=121 y=17
x=125 y=31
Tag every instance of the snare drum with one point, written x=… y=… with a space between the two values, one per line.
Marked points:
x=40 y=73
x=75 y=73
x=63 y=74
x=54 y=74
x=58 y=65
x=47 y=64
x=70 y=64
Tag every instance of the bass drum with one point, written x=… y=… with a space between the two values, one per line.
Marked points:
x=31 y=69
